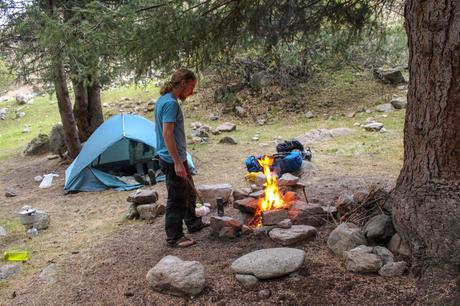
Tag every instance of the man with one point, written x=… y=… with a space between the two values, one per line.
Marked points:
x=171 y=147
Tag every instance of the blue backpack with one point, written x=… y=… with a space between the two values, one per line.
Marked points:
x=283 y=163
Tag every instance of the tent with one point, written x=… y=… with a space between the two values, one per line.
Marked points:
x=107 y=152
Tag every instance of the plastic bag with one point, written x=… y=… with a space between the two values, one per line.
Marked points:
x=47 y=180
x=202 y=211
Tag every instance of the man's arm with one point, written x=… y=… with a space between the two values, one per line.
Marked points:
x=170 y=142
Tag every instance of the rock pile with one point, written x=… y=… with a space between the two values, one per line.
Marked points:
x=144 y=205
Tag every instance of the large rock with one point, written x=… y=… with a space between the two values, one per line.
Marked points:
x=379 y=227
x=391 y=76
x=274 y=216
x=143 y=196
x=177 y=277
x=247 y=280
x=38 y=145
x=306 y=214
x=384 y=254
x=385 y=108
x=132 y=212
x=57 y=142
x=393 y=269
x=228 y=140
x=219 y=223
x=150 y=211
x=345 y=237
x=270 y=263
x=399 y=103
x=209 y=192
x=226 y=127
x=246 y=205
x=398 y=246
x=239 y=194
x=373 y=126
x=288 y=179
x=292 y=235
x=362 y=260
x=261 y=179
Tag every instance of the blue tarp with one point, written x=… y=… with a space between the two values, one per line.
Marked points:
x=110 y=143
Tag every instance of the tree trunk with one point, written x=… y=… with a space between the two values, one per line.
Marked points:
x=426 y=199
x=87 y=109
x=65 y=109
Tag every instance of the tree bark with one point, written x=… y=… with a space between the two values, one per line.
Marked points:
x=65 y=109
x=426 y=199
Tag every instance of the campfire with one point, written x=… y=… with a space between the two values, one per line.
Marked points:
x=272 y=198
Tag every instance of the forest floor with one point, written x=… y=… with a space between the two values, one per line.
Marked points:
x=102 y=259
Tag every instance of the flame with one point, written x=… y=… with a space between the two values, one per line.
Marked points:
x=272 y=198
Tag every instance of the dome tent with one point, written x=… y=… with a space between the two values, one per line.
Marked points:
x=108 y=147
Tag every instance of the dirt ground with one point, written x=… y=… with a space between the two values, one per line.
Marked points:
x=103 y=259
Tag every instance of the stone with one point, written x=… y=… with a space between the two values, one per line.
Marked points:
x=177 y=277
x=57 y=140
x=257 y=194
x=255 y=188
x=383 y=130
x=52 y=157
x=143 y=196
x=209 y=192
x=398 y=246
x=228 y=140
x=379 y=227
x=223 y=94
x=10 y=193
x=350 y=114
x=38 y=179
x=362 y=260
x=345 y=237
x=226 y=127
x=7 y=271
x=247 y=280
x=150 y=211
x=229 y=232
x=132 y=212
x=317 y=135
x=264 y=294
x=399 y=103
x=373 y=126
x=255 y=138
x=385 y=108
x=261 y=179
x=330 y=211
x=270 y=263
x=48 y=274
x=246 y=205
x=214 y=117
x=288 y=179
x=391 y=76
x=260 y=79
x=289 y=197
x=274 y=216
x=26 y=129
x=43 y=220
x=38 y=145
x=286 y=223
x=302 y=213
x=295 y=234
x=384 y=254
x=240 y=112
x=19 y=115
x=21 y=99
x=239 y=194
x=2 y=231
x=218 y=223
x=393 y=269
x=309 y=115
x=196 y=125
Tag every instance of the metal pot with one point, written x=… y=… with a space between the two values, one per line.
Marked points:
x=28 y=216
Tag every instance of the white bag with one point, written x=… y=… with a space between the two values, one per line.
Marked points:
x=47 y=180
x=202 y=211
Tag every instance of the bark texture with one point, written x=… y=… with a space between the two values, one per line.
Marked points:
x=426 y=199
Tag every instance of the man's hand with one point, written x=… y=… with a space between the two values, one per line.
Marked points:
x=180 y=170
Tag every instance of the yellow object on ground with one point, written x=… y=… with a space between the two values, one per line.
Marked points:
x=251 y=176
x=16 y=255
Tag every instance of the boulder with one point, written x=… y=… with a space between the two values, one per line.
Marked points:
x=292 y=235
x=345 y=237
x=399 y=103
x=385 y=108
x=398 y=246
x=150 y=211
x=383 y=253
x=228 y=140
x=177 y=277
x=57 y=142
x=247 y=280
x=226 y=127
x=7 y=271
x=209 y=192
x=373 y=126
x=274 y=216
x=393 y=269
x=391 y=76
x=269 y=263
x=286 y=223
x=38 y=145
x=143 y=196
x=246 y=205
x=239 y=194
x=232 y=227
x=288 y=179
x=379 y=227
x=306 y=214
x=362 y=260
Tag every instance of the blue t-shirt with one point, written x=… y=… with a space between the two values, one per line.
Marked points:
x=167 y=109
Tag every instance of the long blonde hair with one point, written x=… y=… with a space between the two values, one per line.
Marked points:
x=177 y=77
